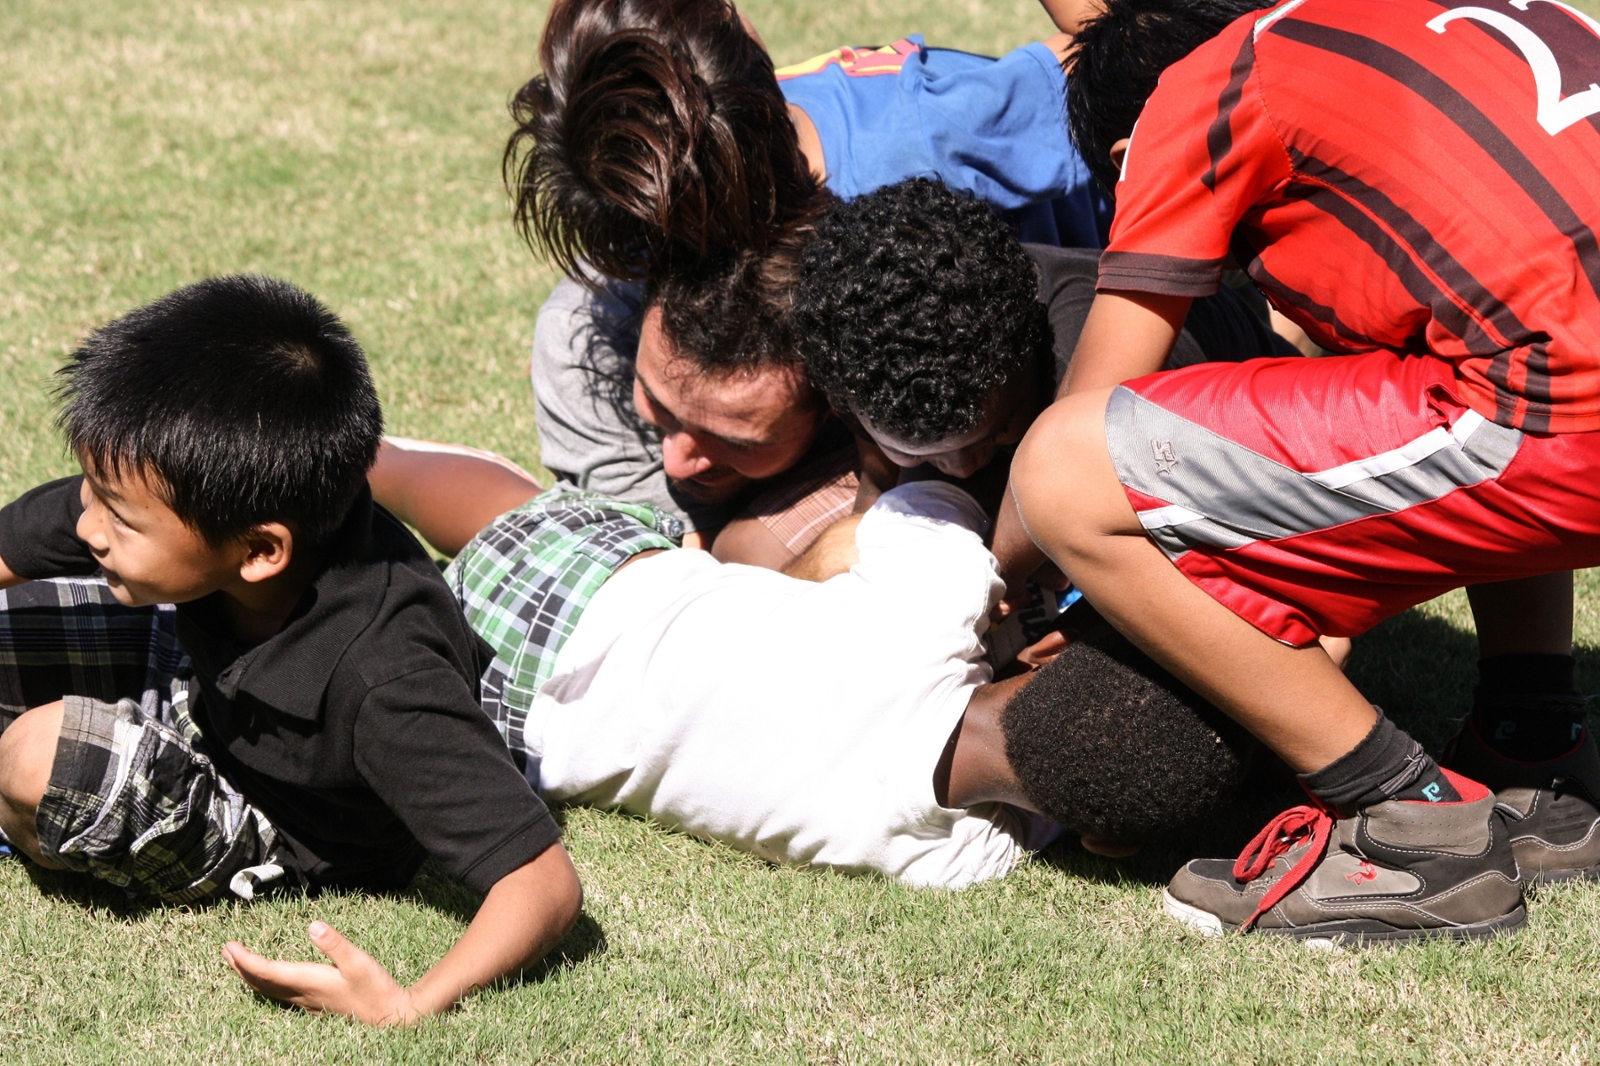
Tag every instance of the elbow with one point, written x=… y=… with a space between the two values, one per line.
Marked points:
x=565 y=891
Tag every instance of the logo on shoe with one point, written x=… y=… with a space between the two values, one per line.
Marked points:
x=1362 y=874
x=1431 y=791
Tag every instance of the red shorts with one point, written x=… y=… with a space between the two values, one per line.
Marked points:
x=1321 y=496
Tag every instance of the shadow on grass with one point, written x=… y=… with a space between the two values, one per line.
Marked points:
x=96 y=897
x=433 y=887
x=1418 y=667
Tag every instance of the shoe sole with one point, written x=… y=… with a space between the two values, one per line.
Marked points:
x=1349 y=931
x=1556 y=877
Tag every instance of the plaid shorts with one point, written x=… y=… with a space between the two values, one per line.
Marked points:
x=133 y=799
x=525 y=580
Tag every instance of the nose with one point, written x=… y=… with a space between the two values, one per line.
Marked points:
x=682 y=457
x=90 y=529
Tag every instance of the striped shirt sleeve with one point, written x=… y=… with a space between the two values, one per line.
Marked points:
x=1203 y=155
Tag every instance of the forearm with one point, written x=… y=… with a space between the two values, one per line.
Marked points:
x=7 y=578
x=878 y=474
x=1126 y=335
x=524 y=915
x=1015 y=553
x=447 y=496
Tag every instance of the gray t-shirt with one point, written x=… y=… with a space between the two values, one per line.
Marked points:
x=590 y=434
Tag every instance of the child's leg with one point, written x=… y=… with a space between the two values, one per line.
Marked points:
x=1262 y=505
x=27 y=753
x=1295 y=699
x=447 y=492
x=100 y=776
x=1529 y=616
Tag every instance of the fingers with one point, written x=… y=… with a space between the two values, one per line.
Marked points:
x=354 y=965
x=304 y=984
x=356 y=984
x=1044 y=649
x=332 y=943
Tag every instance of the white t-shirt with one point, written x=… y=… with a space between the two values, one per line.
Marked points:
x=797 y=721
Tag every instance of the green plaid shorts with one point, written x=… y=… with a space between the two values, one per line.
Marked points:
x=133 y=799
x=525 y=580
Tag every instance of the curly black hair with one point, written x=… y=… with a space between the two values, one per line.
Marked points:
x=1117 y=59
x=1104 y=741
x=915 y=305
x=730 y=314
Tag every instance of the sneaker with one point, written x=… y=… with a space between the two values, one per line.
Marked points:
x=1396 y=870
x=1551 y=808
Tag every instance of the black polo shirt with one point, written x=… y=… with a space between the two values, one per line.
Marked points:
x=356 y=729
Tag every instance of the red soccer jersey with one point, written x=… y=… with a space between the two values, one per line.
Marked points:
x=1402 y=174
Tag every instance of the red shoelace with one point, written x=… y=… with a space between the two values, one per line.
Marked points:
x=1280 y=835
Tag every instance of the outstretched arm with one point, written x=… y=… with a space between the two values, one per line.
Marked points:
x=447 y=492
x=524 y=915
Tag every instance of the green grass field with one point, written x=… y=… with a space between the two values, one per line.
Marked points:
x=353 y=147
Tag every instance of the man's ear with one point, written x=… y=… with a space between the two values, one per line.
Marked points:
x=267 y=551
x=1119 y=152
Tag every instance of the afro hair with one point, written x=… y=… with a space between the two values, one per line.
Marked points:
x=915 y=305
x=1104 y=741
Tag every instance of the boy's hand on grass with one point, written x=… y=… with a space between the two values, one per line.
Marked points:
x=524 y=915
x=355 y=985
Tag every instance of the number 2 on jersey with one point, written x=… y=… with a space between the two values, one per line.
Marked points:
x=1554 y=113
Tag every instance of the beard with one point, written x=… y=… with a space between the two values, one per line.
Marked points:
x=726 y=484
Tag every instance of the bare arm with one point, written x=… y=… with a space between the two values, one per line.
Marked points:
x=447 y=495
x=831 y=554
x=7 y=578
x=1127 y=335
x=746 y=540
x=878 y=474
x=1018 y=557
x=524 y=915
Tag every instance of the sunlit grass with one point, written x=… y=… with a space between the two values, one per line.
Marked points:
x=353 y=147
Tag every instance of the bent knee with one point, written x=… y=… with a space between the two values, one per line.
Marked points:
x=1065 y=484
x=27 y=755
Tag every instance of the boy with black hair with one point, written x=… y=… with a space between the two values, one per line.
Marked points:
x=307 y=713
x=936 y=333
x=1403 y=179
x=850 y=723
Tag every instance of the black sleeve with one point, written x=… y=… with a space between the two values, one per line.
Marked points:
x=39 y=532
x=1067 y=278
x=426 y=749
x=1228 y=326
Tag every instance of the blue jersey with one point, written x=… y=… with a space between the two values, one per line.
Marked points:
x=994 y=127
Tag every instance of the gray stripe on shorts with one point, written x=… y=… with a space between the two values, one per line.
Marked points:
x=1227 y=495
